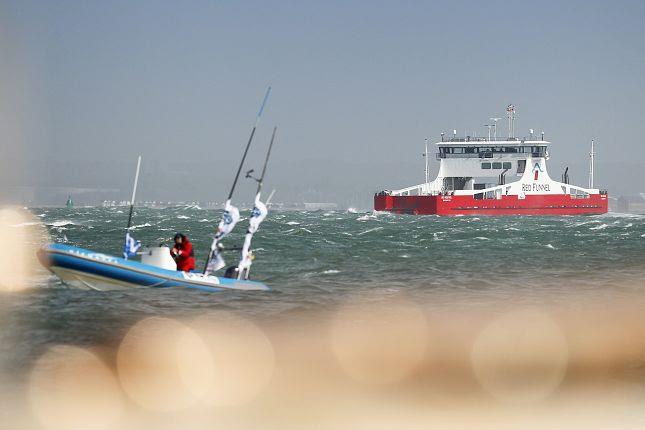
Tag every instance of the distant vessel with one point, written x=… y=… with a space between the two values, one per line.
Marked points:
x=69 y=204
x=474 y=178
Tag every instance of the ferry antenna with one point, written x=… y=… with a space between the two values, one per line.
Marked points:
x=425 y=154
x=494 y=127
x=592 y=154
x=510 y=110
x=488 y=126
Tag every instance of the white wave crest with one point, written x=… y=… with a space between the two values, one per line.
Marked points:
x=600 y=227
x=370 y=230
x=134 y=227
x=61 y=223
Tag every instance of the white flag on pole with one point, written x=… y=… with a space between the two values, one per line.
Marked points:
x=131 y=246
x=230 y=217
x=258 y=214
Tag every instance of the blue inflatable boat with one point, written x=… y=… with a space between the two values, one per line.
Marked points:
x=81 y=268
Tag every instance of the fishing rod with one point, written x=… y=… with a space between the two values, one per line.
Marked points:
x=134 y=193
x=258 y=214
x=227 y=223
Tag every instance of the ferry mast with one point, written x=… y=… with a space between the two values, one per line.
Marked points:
x=592 y=154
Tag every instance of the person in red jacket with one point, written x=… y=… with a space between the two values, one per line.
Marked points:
x=183 y=253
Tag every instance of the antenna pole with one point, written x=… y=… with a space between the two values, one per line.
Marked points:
x=592 y=154
x=257 y=216
x=268 y=202
x=494 y=127
x=237 y=175
x=248 y=144
x=510 y=110
x=266 y=161
x=134 y=193
x=427 y=161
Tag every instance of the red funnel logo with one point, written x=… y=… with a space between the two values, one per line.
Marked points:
x=536 y=171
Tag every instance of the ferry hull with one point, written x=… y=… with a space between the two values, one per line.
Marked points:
x=452 y=205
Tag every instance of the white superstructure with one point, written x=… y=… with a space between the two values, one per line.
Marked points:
x=501 y=166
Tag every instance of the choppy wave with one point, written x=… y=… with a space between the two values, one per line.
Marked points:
x=60 y=223
x=135 y=227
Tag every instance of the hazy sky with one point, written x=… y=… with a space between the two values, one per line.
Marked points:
x=87 y=86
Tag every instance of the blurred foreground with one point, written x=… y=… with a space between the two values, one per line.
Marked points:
x=384 y=365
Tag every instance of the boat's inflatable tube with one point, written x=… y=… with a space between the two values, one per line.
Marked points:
x=86 y=269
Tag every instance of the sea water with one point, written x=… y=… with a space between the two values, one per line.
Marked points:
x=316 y=260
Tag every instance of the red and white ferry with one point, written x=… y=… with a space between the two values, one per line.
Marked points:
x=494 y=176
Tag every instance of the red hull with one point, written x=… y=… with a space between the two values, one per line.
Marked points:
x=451 y=205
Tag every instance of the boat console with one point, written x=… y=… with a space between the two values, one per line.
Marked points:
x=158 y=257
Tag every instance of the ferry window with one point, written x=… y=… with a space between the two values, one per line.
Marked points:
x=470 y=150
x=458 y=150
x=497 y=165
x=510 y=149
x=521 y=165
x=507 y=165
x=485 y=165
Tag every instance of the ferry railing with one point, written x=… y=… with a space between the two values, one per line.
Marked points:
x=492 y=139
x=441 y=155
